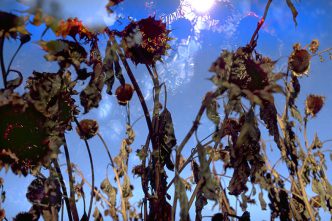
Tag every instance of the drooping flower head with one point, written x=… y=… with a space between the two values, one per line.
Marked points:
x=241 y=69
x=87 y=128
x=313 y=104
x=124 y=94
x=299 y=62
x=146 y=41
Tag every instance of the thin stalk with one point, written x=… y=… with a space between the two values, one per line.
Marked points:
x=124 y=214
x=260 y=24
x=135 y=84
x=64 y=189
x=93 y=189
x=63 y=210
x=92 y=169
x=187 y=162
x=11 y=60
x=2 y=63
x=305 y=196
x=71 y=184
x=197 y=188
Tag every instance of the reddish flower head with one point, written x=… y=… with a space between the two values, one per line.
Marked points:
x=313 y=104
x=124 y=93
x=146 y=41
x=299 y=62
x=87 y=128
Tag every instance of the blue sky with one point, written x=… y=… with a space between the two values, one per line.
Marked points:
x=195 y=46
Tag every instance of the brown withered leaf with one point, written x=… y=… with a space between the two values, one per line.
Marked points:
x=211 y=185
x=97 y=215
x=168 y=139
x=181 y=194
x=212 y=108
x=262 y=201
x=316 y=143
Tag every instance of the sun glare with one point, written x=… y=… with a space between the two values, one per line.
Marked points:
x=202 y=6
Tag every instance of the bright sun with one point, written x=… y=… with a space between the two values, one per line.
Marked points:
x=201 y=6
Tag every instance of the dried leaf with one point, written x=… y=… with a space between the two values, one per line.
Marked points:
x=181 y=194
x=212 y=108
x=293 y=10
x=262 y=201
x=316 y=143
x=168 y=139
x=12 y=84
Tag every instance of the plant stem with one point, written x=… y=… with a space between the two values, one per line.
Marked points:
x=124 y=214
x=93 y=189
x=305 y=196
x=71 y=184
x=92 y=169
x=187 y=162
x=63 y=186
x=135 y=84
x=2 y=63
x=252 y=43
x=197 y=188
x=12 y=59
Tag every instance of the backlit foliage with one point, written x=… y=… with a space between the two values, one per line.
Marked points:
x=241 y=106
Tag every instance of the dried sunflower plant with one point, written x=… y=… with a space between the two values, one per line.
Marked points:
x=33 y=127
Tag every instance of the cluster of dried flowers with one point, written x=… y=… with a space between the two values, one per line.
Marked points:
x=33 y=127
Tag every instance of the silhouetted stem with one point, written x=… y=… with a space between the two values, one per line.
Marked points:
x=135 y=84
x=71 y=184
x=2 y=63
x=11 y=60
x=260 y=24
x=63 y=186
x=92 y=169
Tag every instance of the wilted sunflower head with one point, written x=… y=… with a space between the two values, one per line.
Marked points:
x=24 y=141
x=45 y=193
x=241 y=69
x=299 y=62
x=12 y=25
x=314 y=104
x=87 y=128
x=124 y=94
x=146 y=41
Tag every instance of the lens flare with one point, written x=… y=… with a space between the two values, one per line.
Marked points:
x=202 y=6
